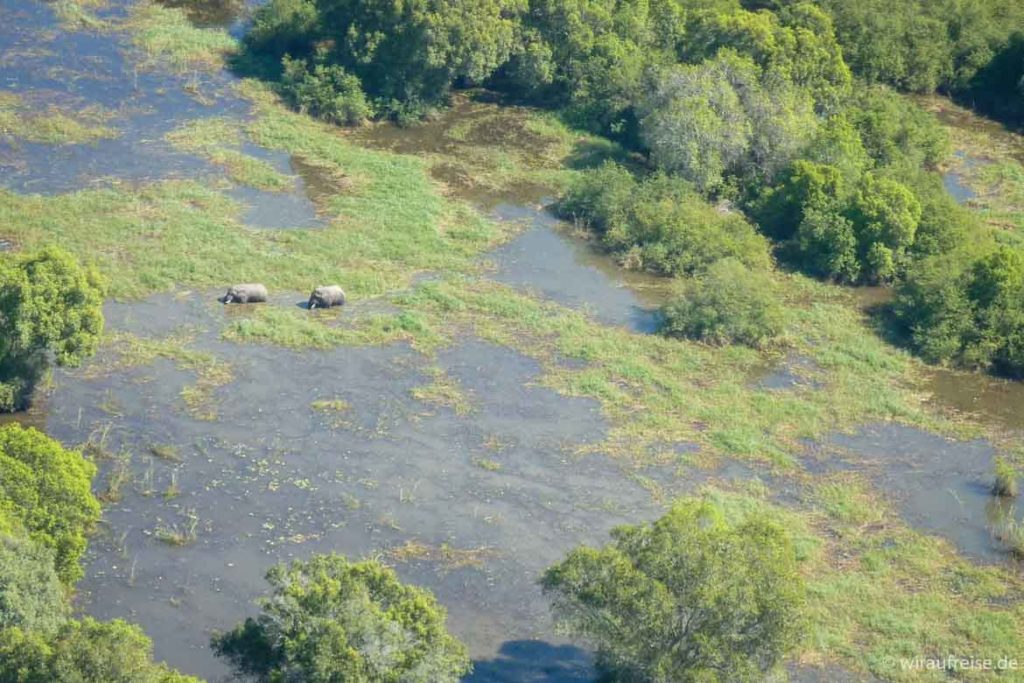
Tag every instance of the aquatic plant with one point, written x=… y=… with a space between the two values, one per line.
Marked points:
x=1005 y=483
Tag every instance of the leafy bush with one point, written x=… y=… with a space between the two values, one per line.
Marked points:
x=325 y=91
x=283 y=27
x=48 y=304
x=729 y=304
x=86 y=651
x=716 y=119
x=330 y=619
x=966 y=309
x=47 y=490
x=660 y=224
x=31 y=595
x=691 y=597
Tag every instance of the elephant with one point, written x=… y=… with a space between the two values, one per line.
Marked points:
x=246 y=294
x=325 y=297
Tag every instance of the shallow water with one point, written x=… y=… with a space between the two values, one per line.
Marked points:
x=46 y=63
x=546 y=260
x=273 y=479
x=937 y=485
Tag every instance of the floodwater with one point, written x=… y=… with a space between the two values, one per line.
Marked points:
x=77 y=69
x=938 y=485
x=273 y=478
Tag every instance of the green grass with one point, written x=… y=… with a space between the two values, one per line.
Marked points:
x=889 y=592
x=443 y=390
x=165 y=37
x=51 y=125
x=218 y=139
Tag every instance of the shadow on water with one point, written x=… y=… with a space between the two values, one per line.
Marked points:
x=534 y=661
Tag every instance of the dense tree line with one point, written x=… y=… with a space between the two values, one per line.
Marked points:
x=787 y=111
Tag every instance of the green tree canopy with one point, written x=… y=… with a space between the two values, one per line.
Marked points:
x=329 y=619
x=48 y=304
x=47 y=489
x=660 y=224
x=691 y=597
x=31 y=595
x=86 y=651
x=730 y=304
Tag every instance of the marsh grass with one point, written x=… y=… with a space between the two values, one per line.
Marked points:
x=447 y=557
x=51 y=124
x=1005 y=483
x=336 y=405
x=218 y=140
x=179 y=534
x=443 y=390
x=165 y=37
x=119 y=475
x=126 y=351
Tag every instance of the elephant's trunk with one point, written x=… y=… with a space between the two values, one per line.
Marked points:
x=228 y=298
x=312 y=304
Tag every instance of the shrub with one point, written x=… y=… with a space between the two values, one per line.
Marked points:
x=660 y=223
x=48 y=304
x=1005 y=479
x=691 y=597
x=31 y=595
x=86 y=651
x=729 y=304
x=329 y=619
x=966 y=309
x=47 y=490
x=325 y=91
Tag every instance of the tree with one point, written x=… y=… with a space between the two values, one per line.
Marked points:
x=724 y=117
x=86 y=651
x=47 y=490
x=729 y=304
x=660 y=224
x=329 y=619
x=411 y=52
x=49 y=304
x=885 y=215
x=691 y=597
x=31 y=595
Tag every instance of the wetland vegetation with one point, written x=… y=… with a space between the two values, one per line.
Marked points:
x=427 y=477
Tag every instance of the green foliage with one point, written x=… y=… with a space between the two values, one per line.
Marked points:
x=729 y=304
x=31 y=595
x=48 y=304
x=967 y=309
x=591 y=56
x=47 y=489
x=330 y=619
x=691 y=597
x=720 y=118
x=283 y=27
x=86 y=651
x=1005 y=478
x=324 y=91
x=660 y=224
x=923 y=45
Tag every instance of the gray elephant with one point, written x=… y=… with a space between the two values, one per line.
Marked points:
x=326 y=297
x=246 y=294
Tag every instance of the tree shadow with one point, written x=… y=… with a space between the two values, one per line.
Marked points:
x=534 y=661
